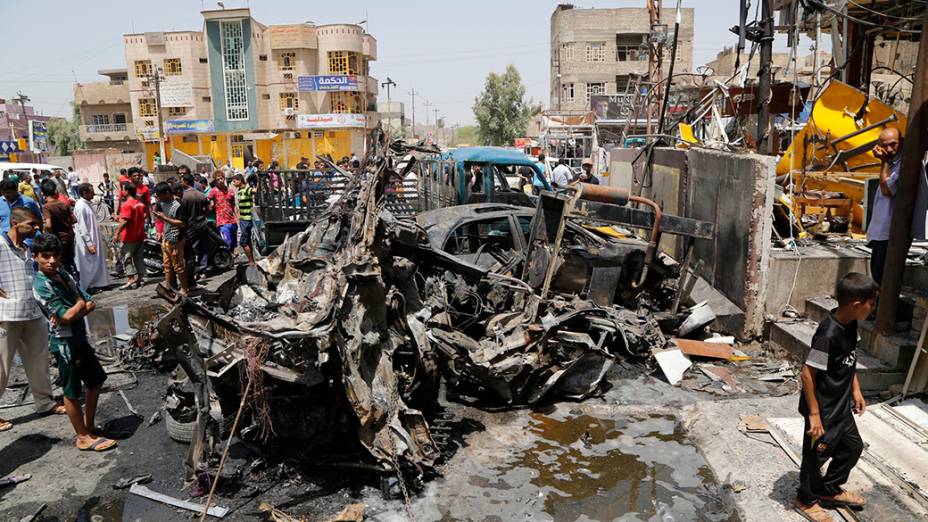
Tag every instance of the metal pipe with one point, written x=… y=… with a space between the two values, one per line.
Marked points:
x=892 y=118
x=655 y=236
x=604 y=194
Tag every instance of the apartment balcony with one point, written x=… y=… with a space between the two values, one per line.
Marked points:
x=108 y=132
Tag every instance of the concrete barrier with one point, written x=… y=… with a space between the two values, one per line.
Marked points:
x=734 y=191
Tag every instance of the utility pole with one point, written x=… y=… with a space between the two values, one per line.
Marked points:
x=157 y=79
x=22 y=99
x=427 y=106
x=435 y=110
x=900 y=232
x=673 y=58
x=413 y=93
x=388 y=84
x=766 y=55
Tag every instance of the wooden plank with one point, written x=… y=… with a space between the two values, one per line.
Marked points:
x=704 y=349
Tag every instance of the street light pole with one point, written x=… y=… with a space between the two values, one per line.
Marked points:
x=413 y=93
x=157 y=79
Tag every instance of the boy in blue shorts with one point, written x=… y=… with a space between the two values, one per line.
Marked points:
x=65 y=305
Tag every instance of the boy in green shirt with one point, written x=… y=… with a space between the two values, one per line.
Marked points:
x=65 y=305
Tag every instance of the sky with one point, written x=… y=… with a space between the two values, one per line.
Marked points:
x=442 y=50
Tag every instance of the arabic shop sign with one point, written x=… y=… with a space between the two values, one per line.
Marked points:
x=330 y=121
x=188 y=126
x=327 y=83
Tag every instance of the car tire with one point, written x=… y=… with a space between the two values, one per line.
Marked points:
x=179 y=431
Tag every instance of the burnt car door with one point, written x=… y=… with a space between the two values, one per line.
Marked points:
x=486 y=242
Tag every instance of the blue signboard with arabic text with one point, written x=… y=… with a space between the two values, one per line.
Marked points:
x=327 y=83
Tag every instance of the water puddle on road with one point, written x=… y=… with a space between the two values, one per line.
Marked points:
x=567 y=466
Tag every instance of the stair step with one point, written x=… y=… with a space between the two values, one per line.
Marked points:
x=795 y=340
x=895 y=349
x=818 y=308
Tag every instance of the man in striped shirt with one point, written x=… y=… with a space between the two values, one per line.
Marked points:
x=244 y=201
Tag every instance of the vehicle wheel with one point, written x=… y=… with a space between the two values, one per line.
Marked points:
x=153 y=267
x=179 y=431
x=222 y=260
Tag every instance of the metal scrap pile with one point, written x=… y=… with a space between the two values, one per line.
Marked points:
x=347 y=328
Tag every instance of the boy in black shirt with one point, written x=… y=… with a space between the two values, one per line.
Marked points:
x=830 y=396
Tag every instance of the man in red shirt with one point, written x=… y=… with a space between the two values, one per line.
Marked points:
x=142 y=192
x=131 y=233
x=222 y=200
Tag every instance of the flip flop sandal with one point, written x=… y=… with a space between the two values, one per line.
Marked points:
x=128 y=286
x=99 y=445
x=59 y=409
x=813 y=513
x=5 y=425
x=845 y=498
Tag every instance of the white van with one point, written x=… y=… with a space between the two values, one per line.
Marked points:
x=21 y=169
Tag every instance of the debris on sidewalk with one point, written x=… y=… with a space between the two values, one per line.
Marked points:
x=704 y=349
x=12 y=480
x=142 y=491
x=699 y=317
x=673 y=363
x=124 y=483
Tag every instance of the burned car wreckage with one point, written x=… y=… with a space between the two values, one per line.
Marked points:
x=345 y=332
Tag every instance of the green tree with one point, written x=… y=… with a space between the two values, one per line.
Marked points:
x=502 y=111
x=64 y=135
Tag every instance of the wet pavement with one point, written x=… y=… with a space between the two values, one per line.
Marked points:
x=573 y=463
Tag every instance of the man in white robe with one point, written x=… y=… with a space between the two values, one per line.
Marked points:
x=88 y=243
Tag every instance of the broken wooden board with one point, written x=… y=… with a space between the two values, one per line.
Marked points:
x=704 y=349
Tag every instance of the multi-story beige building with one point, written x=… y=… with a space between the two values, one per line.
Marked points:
x=106 y=113
x=597 y=51
x=238 y=89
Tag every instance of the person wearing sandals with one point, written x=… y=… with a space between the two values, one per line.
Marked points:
x=131 y=234
x=65 y=305
x=23 y=330
x=830 y=397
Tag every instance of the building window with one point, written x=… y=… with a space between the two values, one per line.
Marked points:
x=289 y=100
x=172 y=67
x=596 y=52
x=567 y=92
x=233 y=70
x=345 y=62
x=628 y=47
x=177 y=111
x=567 y=52
x=119 y=117
x=594 y=88
x=345 y=102
x=100 y=119
x=147 y=107
x=287 y=61
x=142 y=68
